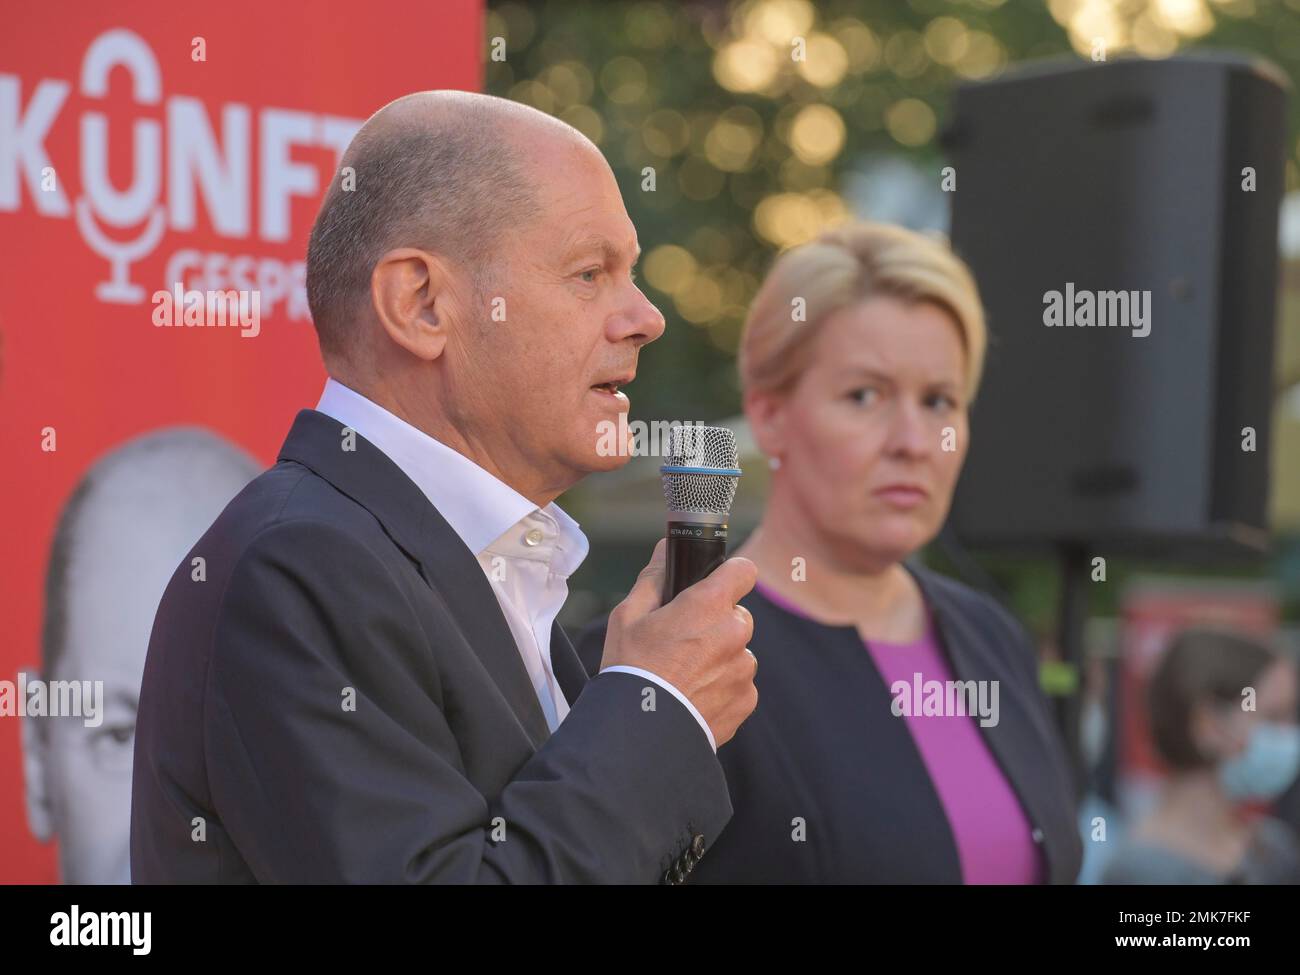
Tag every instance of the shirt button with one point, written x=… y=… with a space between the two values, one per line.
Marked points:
x=534 y=536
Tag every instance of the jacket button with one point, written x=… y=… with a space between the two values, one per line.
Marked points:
x=1037 y=835
x=697 y=845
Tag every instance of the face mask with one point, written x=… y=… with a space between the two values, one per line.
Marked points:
x=1268 y=764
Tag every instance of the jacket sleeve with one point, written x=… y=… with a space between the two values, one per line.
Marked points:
x=331 y=759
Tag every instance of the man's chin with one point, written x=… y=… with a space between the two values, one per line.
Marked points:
x=607 y=444
x=599 y=462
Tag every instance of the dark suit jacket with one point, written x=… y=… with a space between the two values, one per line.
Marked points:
x=824 y=745
x=331 y=579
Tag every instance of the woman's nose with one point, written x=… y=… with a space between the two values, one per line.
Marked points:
x=910 y=433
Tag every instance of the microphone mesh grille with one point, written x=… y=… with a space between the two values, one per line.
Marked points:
x=694 y=445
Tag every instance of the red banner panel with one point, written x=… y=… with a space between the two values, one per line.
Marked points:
x=160 y=166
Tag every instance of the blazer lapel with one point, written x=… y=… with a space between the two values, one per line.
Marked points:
x=370 y=478
x=1012 y=739
x=566 y=665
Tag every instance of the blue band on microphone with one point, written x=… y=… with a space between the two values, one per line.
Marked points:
x=723 y=471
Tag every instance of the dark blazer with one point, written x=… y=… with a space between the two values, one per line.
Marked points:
x=824 y=745
x=329 y=580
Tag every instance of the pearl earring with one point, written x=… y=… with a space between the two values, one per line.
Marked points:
x=774 y=462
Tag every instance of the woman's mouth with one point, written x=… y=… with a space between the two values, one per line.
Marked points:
x=902 y=495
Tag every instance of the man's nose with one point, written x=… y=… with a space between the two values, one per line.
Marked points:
x=640 y=321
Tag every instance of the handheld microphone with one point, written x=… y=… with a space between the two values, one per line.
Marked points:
x=700 y=479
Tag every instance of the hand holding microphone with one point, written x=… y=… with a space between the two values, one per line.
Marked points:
x=681 y=620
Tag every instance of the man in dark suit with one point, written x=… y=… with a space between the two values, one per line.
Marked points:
x=355 y=675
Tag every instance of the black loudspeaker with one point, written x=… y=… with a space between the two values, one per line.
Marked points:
x=1097 y=179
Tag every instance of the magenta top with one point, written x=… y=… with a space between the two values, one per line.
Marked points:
x=992 y=833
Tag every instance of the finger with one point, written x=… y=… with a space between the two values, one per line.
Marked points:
x=732 y=579
x=746 y=619
x=646 y=593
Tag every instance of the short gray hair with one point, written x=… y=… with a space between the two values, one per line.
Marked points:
x=454 y=188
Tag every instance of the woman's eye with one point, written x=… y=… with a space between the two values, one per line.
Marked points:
x=593 y=272
x=863 y=396
x=943 y=401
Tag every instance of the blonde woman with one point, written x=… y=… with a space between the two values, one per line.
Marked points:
x=901 y=735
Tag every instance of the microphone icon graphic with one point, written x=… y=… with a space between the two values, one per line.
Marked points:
x=100 y=199
x=118 y=288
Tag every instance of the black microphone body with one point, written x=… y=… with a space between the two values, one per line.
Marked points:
x=694 y=550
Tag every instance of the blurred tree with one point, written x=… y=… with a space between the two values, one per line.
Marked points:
x=749 y=115
x=751 y=118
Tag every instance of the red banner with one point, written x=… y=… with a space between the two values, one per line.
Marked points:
x=150 y=147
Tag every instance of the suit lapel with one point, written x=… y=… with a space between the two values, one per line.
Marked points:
x=370 y=478
x=1012 y=739
x=566 y=665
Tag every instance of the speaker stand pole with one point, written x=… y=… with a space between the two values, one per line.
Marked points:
x=1071 y=620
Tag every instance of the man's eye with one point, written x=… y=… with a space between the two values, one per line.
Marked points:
x=593 y=272
x=119 y=734
x=863 y=395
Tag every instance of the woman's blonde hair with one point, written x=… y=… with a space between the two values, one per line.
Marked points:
x=843 y=267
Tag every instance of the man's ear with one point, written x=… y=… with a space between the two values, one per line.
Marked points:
x=413 y=297
x=766 y=413
x=35 y=749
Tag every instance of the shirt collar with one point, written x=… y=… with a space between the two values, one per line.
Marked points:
x=479 y=507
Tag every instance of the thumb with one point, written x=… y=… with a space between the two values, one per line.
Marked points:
x=735 y=577
x=646 y=595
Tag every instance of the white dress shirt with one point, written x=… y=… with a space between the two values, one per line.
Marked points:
x=526 y=552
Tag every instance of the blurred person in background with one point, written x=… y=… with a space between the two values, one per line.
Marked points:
x=859 y=360
x=1223 y=718
x=130 y=519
